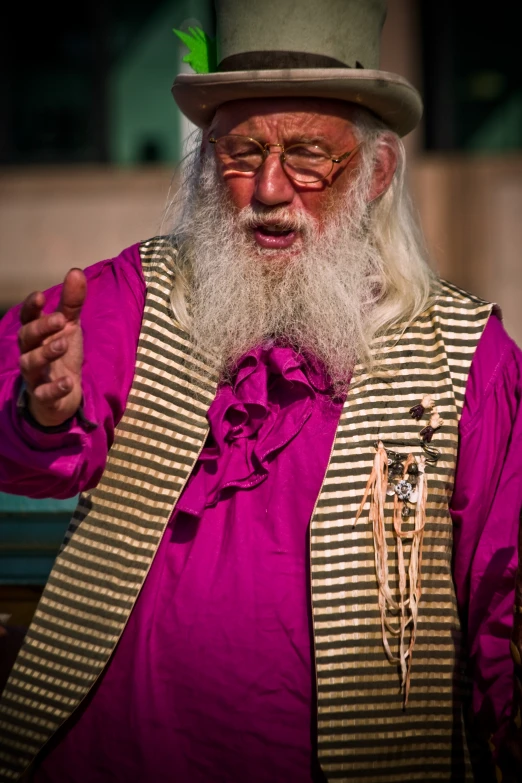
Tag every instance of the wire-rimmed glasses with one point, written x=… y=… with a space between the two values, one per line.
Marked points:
x=303 y=162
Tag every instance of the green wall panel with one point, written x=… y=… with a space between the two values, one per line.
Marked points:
x=31 y=532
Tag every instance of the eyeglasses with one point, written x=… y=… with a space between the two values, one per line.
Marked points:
x=303 y=162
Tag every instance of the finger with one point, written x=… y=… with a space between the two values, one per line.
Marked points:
x=32 y=307
x=35 y=332
x=49 y=393
x=73 y=294
x=34 y=364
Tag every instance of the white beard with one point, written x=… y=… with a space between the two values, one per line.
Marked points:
x=318 y=300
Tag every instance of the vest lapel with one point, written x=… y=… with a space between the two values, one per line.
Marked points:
x=364 y=732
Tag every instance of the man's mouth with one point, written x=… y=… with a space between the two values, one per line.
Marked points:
x=274 y=236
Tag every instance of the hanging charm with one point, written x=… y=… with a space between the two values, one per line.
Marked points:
x=435 y=422
x=418 y=411
x=403 y=489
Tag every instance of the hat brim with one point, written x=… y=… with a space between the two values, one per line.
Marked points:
x=389 y=96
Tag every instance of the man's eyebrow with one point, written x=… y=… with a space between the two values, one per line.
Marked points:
x=307 y=139
x=321 y=141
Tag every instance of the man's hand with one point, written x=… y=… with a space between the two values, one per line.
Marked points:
x=51 y=348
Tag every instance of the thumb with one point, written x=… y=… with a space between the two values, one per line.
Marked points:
x=73 y=294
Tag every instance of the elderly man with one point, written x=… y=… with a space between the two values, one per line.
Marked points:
x=262 y=580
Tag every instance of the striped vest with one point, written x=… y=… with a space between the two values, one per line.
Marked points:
x=363 y=730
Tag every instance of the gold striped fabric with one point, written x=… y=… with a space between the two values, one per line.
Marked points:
x=114 y=532
x=363 y=730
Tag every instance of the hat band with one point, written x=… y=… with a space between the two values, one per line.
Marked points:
x=270 y=61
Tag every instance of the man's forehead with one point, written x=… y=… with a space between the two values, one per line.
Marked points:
x=286 y=114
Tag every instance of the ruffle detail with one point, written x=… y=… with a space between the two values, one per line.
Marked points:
x=251 y=420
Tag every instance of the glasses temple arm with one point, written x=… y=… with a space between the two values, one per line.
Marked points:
x=347 y=154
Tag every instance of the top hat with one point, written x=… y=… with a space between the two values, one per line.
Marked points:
x=300 y=49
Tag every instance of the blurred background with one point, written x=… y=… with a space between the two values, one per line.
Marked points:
x=90 y=135
x=90 y=139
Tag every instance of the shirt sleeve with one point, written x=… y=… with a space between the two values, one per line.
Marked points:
x=37 y=463
x=485 y=509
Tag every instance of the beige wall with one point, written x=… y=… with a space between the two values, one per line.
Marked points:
x=471 y=211
x=52 y=219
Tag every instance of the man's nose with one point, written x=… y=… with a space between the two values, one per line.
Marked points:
x=272 y=184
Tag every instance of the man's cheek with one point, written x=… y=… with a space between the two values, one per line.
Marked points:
x=240 y=190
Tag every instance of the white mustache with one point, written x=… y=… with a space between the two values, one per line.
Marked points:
x=283 y=218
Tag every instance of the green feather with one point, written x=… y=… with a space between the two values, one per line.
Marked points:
x=202 y=49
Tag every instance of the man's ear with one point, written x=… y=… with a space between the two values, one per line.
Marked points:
x=385 y=166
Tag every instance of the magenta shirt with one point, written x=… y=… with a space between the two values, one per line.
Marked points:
x=267 y=704
x=212 y=679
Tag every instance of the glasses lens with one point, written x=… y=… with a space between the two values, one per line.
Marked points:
x=307 y=162
x=239 y=153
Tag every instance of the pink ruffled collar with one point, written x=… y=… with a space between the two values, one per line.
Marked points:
x=252 y=420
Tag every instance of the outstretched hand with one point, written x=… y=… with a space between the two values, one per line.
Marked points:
x=51 y=348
